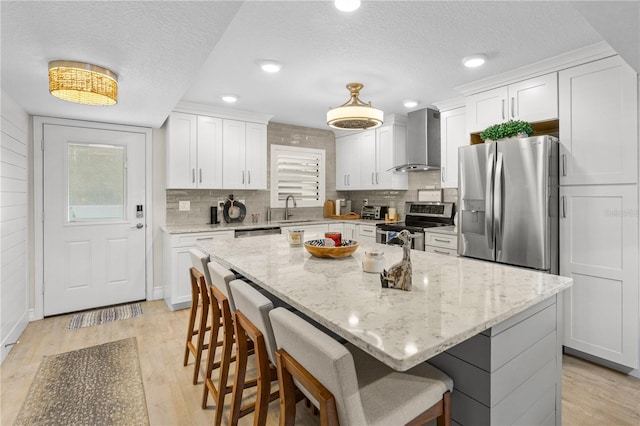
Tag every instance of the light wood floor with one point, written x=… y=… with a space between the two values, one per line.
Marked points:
x=592 y=395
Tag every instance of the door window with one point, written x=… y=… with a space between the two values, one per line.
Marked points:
x=97 y=182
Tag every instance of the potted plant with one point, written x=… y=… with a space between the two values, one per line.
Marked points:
x=511 y=128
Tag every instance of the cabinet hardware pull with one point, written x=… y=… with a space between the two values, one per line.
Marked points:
x=513 y=106
x=503 y=117
x=442 y=174
x=204 y=238
x=200 y=175
x=193 y=175
x=372 y=178
x=248 y=177
x=441 y=241
x=377 y=176
x=441 y=252
x=243 y=177
x=349 y=180
x=564 y=206
x=564 y=164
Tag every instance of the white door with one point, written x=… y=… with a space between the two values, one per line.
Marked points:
x=94 y=243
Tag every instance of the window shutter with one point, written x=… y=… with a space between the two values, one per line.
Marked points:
x=298 y=172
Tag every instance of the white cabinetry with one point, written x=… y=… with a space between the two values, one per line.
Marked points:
x=311 y=232
x=531 y=100
x=244 y=155
x=348 y=152
x=599 y=250
x=599 y=123
x=391 y=150
x=363 y=158
x=194 y=151
x=177 y=262
x=349 y=231
x=366 y=233
x=441 y=243
x=453 y=134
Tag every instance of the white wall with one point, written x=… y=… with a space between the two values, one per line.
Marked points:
x=14 y=219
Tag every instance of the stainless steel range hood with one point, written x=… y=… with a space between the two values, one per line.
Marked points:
x=423 y=141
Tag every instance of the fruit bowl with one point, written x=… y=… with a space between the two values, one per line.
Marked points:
x=325 y=248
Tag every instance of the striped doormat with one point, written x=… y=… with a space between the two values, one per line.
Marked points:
x=100 y=316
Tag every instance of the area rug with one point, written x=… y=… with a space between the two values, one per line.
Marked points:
x=99 y=385
x=100 y=316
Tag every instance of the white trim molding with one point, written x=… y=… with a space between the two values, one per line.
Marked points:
x=224 y=113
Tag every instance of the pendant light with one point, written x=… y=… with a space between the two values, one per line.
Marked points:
x=83 y=83
x=354 y=114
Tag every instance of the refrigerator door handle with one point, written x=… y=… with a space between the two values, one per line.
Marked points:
x=497 y=196
x=488 y=209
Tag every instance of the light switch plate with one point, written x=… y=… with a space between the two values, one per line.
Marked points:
x=184 y=206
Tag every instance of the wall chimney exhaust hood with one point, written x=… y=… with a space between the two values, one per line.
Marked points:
x=423 y=141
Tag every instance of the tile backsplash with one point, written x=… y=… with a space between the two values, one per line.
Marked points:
x=201 y=200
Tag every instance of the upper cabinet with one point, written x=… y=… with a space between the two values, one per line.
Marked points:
x=194 y=151
x=215 y=152
x=599 y=123
x=531 y=100
x=244 y=155
x=348 y=169
x=453 y=134
x=364 y=158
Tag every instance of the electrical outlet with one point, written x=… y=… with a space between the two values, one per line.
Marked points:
x=366 y=201
x=184 y=206
x=220 y=204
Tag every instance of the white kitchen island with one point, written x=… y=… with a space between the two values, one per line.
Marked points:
x=494 y=329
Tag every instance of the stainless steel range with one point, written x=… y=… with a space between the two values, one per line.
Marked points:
x=419 y=215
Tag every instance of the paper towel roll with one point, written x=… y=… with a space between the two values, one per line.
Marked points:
x=392 y=213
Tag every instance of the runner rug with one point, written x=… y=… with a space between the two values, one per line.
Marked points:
x=99 y=385
x=100 y=316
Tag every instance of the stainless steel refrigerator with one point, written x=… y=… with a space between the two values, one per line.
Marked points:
x=508 y=202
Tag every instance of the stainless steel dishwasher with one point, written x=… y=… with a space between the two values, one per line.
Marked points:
x=241 y=233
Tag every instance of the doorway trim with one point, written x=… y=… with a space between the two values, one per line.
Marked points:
x=38 y=208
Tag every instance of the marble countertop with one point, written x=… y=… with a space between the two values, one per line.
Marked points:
x=247 y=224
x=453 y=298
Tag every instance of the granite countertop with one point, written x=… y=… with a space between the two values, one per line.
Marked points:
x=453 y=298
x=447 y=230
x=247 y=224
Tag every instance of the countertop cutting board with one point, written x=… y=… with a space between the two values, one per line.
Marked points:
x=329 y=208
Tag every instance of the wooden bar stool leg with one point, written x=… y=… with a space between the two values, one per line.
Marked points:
x=193 y=312
x=247 y=332
x=202 y=328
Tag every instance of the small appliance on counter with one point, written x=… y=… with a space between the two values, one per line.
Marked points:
x=233 y=211
x=214 y=215
x=372 y=212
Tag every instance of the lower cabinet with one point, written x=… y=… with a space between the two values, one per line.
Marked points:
x=177 y=262
x=366 y=233
x=311 y=232
x=349 y=231
x=599 y=250
x=441 y=243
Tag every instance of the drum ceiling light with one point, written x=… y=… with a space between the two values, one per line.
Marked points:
x=354 y=114
x=83 y=83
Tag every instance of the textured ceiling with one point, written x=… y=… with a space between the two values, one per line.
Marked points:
x=196 y=51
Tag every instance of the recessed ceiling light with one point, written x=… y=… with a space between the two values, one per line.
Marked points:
x=410 y=103
x=347 y=5
x=229 y=98
x=269 y=65
x=474 y=60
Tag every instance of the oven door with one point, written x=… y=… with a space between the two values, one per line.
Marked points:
x=417 y=238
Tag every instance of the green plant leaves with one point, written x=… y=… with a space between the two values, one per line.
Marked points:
x=506 y=130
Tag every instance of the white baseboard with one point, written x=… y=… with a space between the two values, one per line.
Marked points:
x=158 y=293
x=14 y=335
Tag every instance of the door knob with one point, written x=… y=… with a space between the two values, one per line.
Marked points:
x=138 y=226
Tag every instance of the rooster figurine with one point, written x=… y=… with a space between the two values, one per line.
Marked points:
x=399 y=275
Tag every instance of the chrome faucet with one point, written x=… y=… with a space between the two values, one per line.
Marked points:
x=287 y=215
